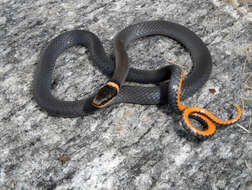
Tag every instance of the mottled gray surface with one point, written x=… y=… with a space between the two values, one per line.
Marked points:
x=124 y=146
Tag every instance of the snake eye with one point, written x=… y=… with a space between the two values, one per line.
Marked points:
x=105 y=95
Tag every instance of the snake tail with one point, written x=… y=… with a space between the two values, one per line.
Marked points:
x=197 y=113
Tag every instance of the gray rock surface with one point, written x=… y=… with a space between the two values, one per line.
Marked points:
x=124 y=146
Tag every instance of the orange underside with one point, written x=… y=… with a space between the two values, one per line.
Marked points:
x=210 y=119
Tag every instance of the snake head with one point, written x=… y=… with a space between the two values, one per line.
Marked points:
x=105 y=95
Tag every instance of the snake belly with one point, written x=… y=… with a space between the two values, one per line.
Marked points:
x=158 y=94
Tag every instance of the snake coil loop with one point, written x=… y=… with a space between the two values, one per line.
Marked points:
x=118 y=72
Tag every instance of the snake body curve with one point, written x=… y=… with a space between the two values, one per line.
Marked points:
x=198 y=75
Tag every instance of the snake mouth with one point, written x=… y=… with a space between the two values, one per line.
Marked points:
x=105 y=95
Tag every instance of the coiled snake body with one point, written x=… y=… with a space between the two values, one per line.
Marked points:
x=115 y=91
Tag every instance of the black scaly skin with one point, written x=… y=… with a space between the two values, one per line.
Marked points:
x=173 y=88
x=157 y=94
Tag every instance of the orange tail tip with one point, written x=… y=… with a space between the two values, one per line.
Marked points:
x=239 y=113
x=225 y=122
x=209 y=118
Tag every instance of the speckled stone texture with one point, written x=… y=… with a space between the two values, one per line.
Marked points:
x=125 y=146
